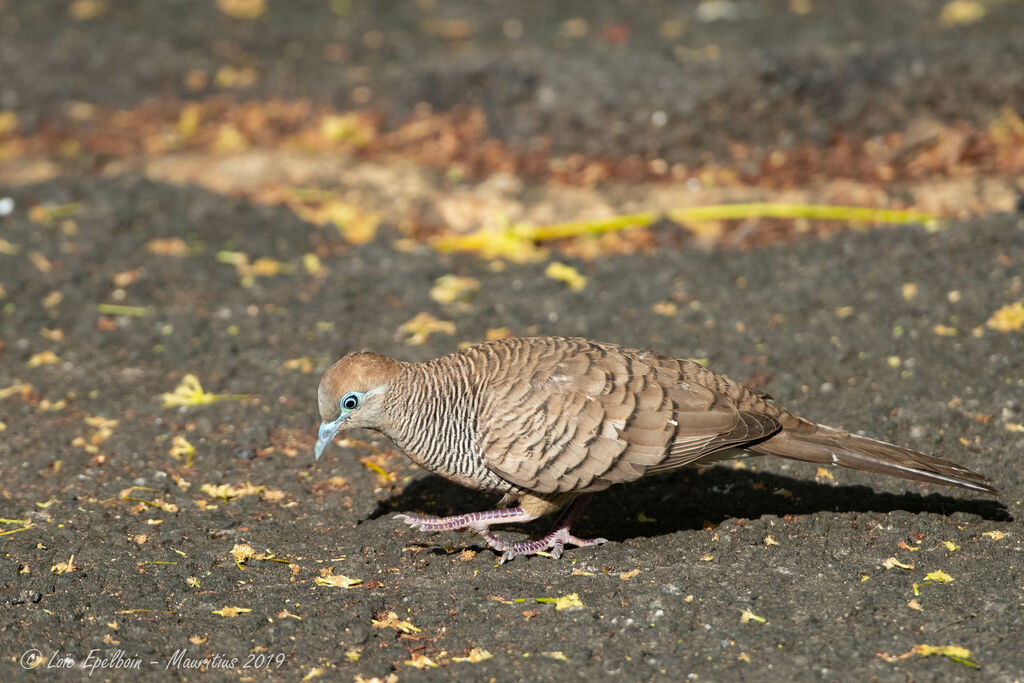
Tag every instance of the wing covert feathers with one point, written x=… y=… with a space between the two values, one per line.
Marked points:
x=592 y=415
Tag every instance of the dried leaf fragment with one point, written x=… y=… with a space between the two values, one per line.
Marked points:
x=167 y=246
x=182 y=449
x=336 y=580
x=666 y=308
x=227 y=492
x=190 y=393
x=65 y=567
x=449 y=289
x=355 y=224
x=567 y=274
x=247 y=10
x=747 y=616
x=956 y=653
x=961 y=12
x=419 y=661
x=475 y=655
x=1009 y=318
x=16 y=388
x=570 y=601
x=303 y=364
x=391 y=620
x=230 y=611
x=418 y=329
x=128 y=494
x=242 y=552
x=48 y=214
x=891 y=562
x=42 y=358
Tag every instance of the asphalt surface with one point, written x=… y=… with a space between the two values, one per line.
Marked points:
x=775 y=570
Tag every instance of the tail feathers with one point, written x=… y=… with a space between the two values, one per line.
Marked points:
x=820 y=444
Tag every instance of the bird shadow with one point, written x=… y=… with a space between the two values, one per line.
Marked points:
x=692 y=498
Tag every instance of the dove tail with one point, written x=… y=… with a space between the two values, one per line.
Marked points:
x=820 y=444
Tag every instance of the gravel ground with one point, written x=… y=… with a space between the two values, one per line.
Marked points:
x=773 y=570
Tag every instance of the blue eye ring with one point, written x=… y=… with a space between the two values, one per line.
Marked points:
x=349 y=401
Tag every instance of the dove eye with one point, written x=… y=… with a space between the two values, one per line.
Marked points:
x=350 y=401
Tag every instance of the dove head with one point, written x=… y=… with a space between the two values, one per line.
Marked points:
x=351 y=393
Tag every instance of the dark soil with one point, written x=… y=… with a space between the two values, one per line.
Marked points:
x=774 y=571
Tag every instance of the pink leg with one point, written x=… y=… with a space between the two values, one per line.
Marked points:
x=480 y=522
x=475 y=521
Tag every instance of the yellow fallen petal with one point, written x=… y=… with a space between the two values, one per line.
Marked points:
x=893 y=562
x=337 y=581
x=418 y=329
x=475 y=655
x=231 y=611
x=1009 y=318
x=567 y=274
x=938 y=576
x=391 y=620
x=563 y=602
x=449 y=289
x=961 y=12
x=747 y=616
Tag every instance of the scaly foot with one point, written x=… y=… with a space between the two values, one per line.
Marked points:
x=555 y=542
x=474 y=521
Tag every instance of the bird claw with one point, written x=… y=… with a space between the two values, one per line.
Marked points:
x=554 y=542
x=424 y=523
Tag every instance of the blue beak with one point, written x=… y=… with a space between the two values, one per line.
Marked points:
x=325 y=436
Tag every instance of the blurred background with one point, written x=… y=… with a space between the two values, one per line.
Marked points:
x=452 y=116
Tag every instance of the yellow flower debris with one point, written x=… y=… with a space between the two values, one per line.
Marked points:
x=182 y=449
x=564 y=602
x=893 y=562
x=65 y=567
x=190 y=393
x=230 y=611
x=475 y=655
x=567 y=274
x=418 y=329
x=227 y=492
x=391 y=620
x=336 y=580
x=1009 y=318
x=450 y=289
x=747 y=616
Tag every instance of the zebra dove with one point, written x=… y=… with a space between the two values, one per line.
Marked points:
x=547 y=421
